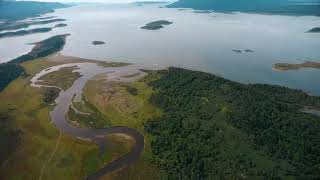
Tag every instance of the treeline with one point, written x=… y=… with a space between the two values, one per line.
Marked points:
x=212 y=128
x=8 y=73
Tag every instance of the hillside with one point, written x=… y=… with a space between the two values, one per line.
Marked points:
x=15 y=10
x=253 y=6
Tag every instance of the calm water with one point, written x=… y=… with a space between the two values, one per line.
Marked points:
x=195 y=41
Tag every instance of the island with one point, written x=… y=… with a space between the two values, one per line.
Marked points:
x=287 y=66
x=25 y=32
x=25 y=24
x=249 y=51
x=237 y=50
x=314 y=30
x=43 y=18
x=155 y=25
x=60 y=25
x=98 y=43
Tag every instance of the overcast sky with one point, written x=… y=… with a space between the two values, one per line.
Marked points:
x=106 y=1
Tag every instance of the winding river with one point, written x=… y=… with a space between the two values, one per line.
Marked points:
x=59 y=113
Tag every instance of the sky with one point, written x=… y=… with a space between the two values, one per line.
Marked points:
x=100 y=1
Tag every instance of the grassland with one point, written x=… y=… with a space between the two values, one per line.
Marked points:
x=43 y=152
x=123 y=108
x=63 y=78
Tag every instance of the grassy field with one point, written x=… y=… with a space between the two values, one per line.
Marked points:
x=126 y=104
x=63 y=78
x=43 y=152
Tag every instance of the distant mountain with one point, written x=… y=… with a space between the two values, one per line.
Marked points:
x=15 y=10
x=302 y=7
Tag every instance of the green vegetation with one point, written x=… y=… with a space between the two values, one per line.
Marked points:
x=13 y=69
x=8 y=73
x=31 y=144
x=43 y=48
x=50 y=94
x=40 y=144
x=9 y=138
x=24 y=32
x=95 y=119
x=117 y=146
x=122 y=108
x=212 y=128
x=63 y=78
x=131 y=90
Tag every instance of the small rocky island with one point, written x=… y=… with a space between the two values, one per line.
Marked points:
x=287 y=66
x=155 y=25
x=60 y=25
x=98 y=43
x=314 y=30
x=245 y=50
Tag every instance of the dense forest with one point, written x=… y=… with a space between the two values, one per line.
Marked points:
x=8 y=73
x=306 y=7
x=212 y=128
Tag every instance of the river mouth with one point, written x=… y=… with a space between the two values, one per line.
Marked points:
x=88 y=70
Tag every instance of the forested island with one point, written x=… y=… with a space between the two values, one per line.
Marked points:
x=25 y=24
x=155 y=25
x=24 y=32
x=60 y=25
x=287 y=66
x=285 y=7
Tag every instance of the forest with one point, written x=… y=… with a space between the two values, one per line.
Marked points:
x=8 y=73
x=213 y=128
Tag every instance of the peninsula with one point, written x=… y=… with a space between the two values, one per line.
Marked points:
x=314 y=30
x=287 y=66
